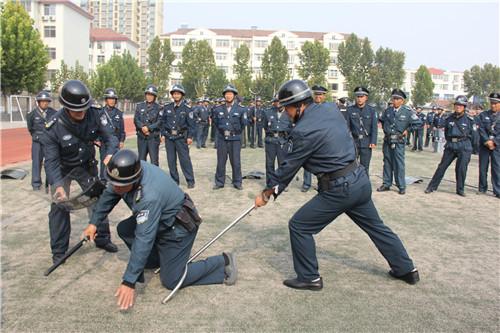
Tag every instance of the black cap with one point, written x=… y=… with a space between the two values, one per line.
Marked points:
x=124 y=168
x=317 y=89
x=151 y=89
x=75 y=96
x=461 y=100
x=398 y=93
x=110 y=93
x=495 y=97
x=43 y=96
x=361 y=91
x=293 y=91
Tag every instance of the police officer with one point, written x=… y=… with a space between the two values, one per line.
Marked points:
x=342 y=104
x=69 y=147
x=489 y=148
x=256 y=123
x=460 y=131
x=229 y=120
x=37 y=119
x=321 y=143
x=277 y=127
x=111 y=117
x=396 y=121
x=429 y=121
x=418 y=130
x=178 y=128
x=148 y=121
x=362 y=122
x=319 y=93
x=213 y=130
x=203 y=122
x=438 y=126
x=161 y=231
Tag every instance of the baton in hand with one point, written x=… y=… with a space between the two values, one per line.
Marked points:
x=66 y=256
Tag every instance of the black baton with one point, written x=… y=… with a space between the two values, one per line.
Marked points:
x=66 y=256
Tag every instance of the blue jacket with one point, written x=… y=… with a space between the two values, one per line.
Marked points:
x=276 y=123
x=438 y=121
x=489 y=127
x=363 y=124
x=113 y=118
x=37 y=120
x=320 y=142
x=154 y=203
x=257 y=113
x=150 y=115
x=201 y=114
x=462 y=129
x=396 y=122
x=429 y=119
x=178 y=121
x=230 y=123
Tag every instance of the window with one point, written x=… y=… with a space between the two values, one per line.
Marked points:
x=50 y=74
x=259 y=56
x=291 y=59
x=257 y=71
x=100 y=59
x=290 y=45
x=236 y=44
x=26 y=4
x=333 y=60
x=456 y=78
x=449 y=97
x=49 y=10
x=261 y=43
x=335 y=86
x=178 y=55
x=178 y=42
x=221 y=43
x=333 y=73
x=435 y=96
x=117 y=45
x=99 y=45
x=445 y=77
x=333 y=46
x=49 y=31
x=175 y=69
x=220 y=56
x=224 y=68
x=455 y=87
x=445 y=87
x=51 y=51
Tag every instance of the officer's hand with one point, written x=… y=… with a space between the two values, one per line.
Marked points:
x=125 y=297
x=107 y=159
x=60 y=194
x=189 y=141
x=162 y=139
x=405 y=133
x=145 y=130
x=90 y=232
x=121 y=145
x=97 y=143
x=259 y=201
x=372 y=145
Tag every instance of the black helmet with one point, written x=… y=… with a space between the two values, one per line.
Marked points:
x=230 y=88
x=43 y=96
x=293 y=91
x=151 y=89
x=178 y=88
x=75 y=96
x=461 y=100
x=124 y=168
x=110 y=93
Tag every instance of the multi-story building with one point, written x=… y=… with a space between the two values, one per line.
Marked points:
x=447 y=84
x=139 y=20
x=224 y=42
x=64 y=28
x=105 y=42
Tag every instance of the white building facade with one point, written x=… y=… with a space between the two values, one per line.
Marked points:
x=447 y=84
x=104 y=43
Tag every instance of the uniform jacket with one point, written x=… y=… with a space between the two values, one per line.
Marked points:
x=150 y=115
x=37 y=120
x=230 y=123
x=178 y=121
x=363 y=124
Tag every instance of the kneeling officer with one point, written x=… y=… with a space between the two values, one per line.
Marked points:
x=162 y=230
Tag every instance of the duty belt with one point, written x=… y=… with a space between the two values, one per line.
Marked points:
x=459 y=139
x=339 y=173
x=276 y=134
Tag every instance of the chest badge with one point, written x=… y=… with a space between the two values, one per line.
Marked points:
x=67 y=137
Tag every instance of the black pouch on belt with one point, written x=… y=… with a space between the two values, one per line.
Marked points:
x=188 y=215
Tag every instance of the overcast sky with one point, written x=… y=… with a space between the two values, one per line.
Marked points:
x=451 y=35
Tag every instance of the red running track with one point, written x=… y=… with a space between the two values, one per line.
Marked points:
x=16 y=143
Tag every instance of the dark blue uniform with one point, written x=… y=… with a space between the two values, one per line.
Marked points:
x=277 y=125
x=438 y=139
x=202 y=117
x=489 y=129
x=429 y=121
x=68 y=146
x=322 y=144
x=37 y=120
x=460 y=132
x=363 y=126
x=256 y=123
x=150 y=115
x=418 y=132
x=113 y=119
x=153 y=234
x=229 y=123
x=395 y=122
x=178 y=126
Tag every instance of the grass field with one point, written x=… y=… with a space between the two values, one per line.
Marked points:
x=454 y=242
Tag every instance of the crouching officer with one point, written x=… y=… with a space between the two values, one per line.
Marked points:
x=277 y=126
x=37 y=119
x=229 y=119
x=161 y=231
x=148 y=122
x=111 y=117
x=322 y=144
x=179 y=129
x=396 y=121
x=460 y=131
x=362 y=122
x=489 y=148
x=69 y=145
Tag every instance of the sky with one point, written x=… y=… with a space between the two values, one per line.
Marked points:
x=451 y=35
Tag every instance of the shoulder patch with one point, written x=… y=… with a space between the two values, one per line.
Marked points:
x=142 y=216
x=50 y=123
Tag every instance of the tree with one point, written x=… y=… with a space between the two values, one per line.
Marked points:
x=216 y=83
x=424 y=87
x=387 y=73
x=314 y=61
x=480 y=82
x=263 y=87
x=159 y=62
x=65 y=73
x=242 y=70
x=24 y=58
x=275 y=65
x=355 y=62
x=198 y=63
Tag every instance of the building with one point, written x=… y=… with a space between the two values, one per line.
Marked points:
x=447 y=84
x=224 y=42
x=64 y=28
x=139 y=20
x=105 y=42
